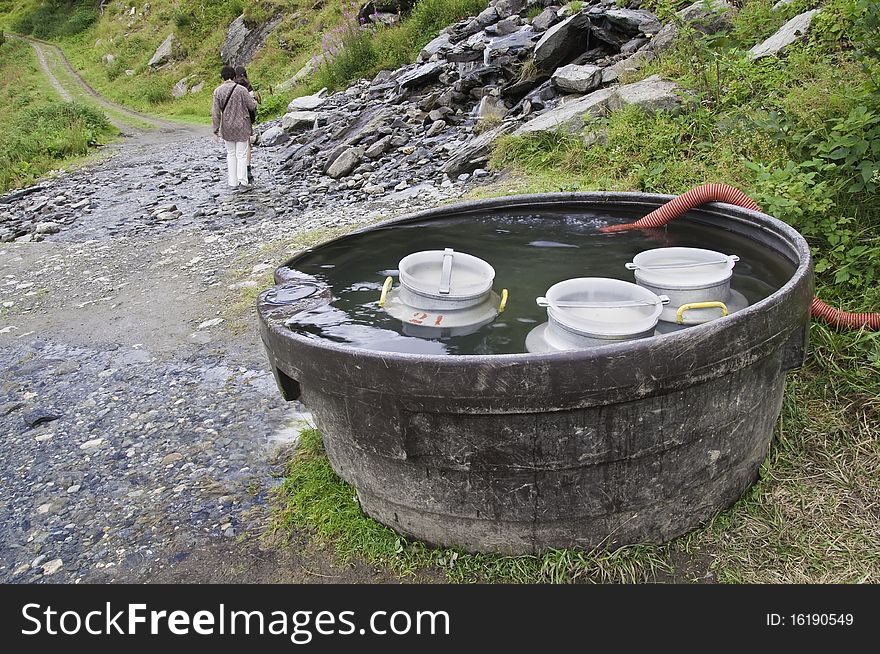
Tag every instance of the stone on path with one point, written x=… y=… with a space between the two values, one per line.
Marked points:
x=345 y=163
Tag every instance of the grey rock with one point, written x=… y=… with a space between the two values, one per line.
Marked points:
x=664 y=39
x=562 y=42
x=108 y=59
x=180 y=89
x=242 y=43
x=507 y=8
x=308 y=69
x=367 y=123
x=705 y=16
x=307 y=102
x=166 y=52
x=794 y=30
x=577 y=79
x=345 y=162
x=295 y=121
x=437 y=45
x=51 y=567
x=634 y=20
x=652 y=94
x=379 y=148
x=197 y=88
x=504 y=27
x=274 y=136
x=709 y=16
x=545 y=20
x=475 y=152
x=38 y=417
x=421 y=75
x=633 y=45
x=488 y=16
x=92 y=444
x=522 y=40
x=630 y=64
x=48 y=227
x=569 y=116
x=374 y=189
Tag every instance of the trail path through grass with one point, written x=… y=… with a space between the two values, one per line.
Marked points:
x=71 y=86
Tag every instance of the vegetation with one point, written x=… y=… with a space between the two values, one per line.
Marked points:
x=40 y=132
x=353 y=50
x=51 y=19
x=800 y=134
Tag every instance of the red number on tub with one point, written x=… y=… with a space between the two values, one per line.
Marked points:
x=418 y=318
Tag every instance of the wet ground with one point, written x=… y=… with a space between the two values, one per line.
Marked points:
x=140 y=429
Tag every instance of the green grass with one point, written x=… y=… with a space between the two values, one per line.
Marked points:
x=41 y=131
x=316 y=500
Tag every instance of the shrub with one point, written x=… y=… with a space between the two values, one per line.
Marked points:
x=44 y=135
x=352 y=50
x=157 y=92
x=55 y=18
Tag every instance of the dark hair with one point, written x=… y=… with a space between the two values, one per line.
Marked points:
x=227 y=72
x=241 y=77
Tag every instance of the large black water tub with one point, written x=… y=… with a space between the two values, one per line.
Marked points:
x=638 y=441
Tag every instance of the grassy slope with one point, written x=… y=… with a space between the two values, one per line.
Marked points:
x=200 y=25
x=307 y=29
x=41 y=131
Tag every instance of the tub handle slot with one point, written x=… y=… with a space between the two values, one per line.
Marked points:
x=385 y=288
x=679 y=315
x=446 y=273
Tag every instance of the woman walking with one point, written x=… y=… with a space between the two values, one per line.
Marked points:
x=241 y=77
x=230 y=118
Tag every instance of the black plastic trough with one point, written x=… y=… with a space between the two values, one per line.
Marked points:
x=639 y=441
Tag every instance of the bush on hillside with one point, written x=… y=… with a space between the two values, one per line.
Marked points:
x=352 y=50
x=55 y=18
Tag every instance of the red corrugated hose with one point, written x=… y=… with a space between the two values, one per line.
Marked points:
x=724 y=193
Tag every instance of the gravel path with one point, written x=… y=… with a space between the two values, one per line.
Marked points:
x=140 y=428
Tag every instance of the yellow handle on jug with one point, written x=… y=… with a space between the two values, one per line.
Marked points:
x=385 y=288
x=679 y=315
x=503 y=305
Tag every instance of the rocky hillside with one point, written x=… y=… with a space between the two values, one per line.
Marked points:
x=517 y=68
